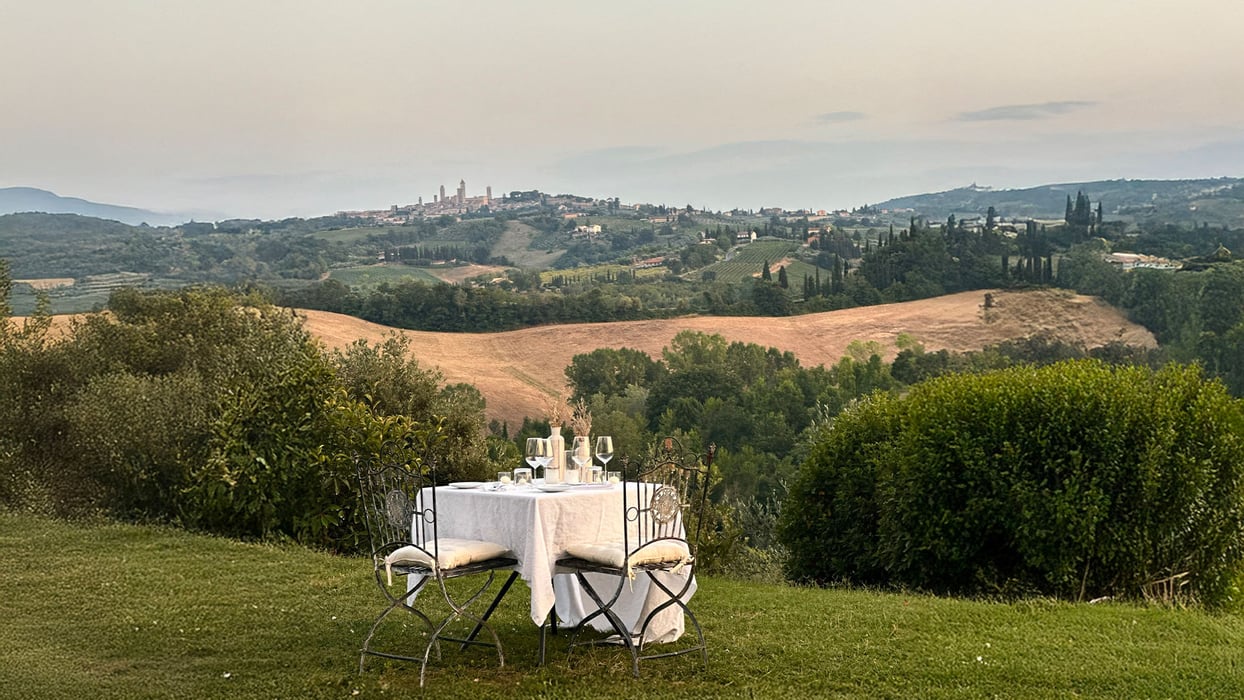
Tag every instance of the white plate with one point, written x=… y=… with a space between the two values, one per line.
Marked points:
x=554 y=488
x=592 y=486
x=467 y=484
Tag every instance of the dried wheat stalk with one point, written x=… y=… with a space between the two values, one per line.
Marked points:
x=581 y=418
x=556 y=409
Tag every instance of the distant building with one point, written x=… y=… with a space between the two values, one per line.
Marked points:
x=648 y=263
x=1132 y=261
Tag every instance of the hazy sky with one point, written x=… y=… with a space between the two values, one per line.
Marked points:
x=272 y=108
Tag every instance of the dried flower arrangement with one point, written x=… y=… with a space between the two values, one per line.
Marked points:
x=581 y=418
x=556 y=407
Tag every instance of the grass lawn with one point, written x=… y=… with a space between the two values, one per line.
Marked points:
x=119 y=611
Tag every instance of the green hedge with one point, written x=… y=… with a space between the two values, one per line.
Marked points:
x=1076 y=480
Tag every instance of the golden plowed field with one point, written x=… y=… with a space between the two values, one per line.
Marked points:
x=518 y=371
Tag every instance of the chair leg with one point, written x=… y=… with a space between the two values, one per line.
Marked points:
x=614 y=621
x=673 y=599
x=505 y=587
x=372 y=632
x=394 y=602
x=459 y=611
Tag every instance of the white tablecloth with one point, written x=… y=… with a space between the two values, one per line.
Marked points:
x=537 y=526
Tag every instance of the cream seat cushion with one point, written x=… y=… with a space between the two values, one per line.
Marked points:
x=612 y=553
x=452 y=552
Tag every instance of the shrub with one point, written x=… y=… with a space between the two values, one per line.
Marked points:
x=1076 y=480
x=136 y=437
x=389 y=381
x=218 y=412
x=829 y=520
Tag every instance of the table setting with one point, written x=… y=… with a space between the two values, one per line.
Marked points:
x=537 y=510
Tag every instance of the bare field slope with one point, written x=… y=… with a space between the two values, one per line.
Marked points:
x=518 y=371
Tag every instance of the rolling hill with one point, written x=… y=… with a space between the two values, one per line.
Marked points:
x=1217 y=201
x=29 y=199
x=518 y=371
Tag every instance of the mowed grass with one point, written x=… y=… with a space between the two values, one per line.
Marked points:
x=118 y=611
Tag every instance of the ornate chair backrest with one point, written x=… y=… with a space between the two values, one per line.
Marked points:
x=394 y=504
x=664 y=496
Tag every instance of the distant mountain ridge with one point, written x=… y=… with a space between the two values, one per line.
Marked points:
x=1216 y=201
x=29 y=199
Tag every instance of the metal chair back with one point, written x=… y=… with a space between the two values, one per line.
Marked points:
x=665 y=496
x=395 y=508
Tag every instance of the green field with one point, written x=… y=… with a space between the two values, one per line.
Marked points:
x=515 y=246
x=120 y=611
x=370 y=276
x=748 y=260
x=588 y=273
x=351 y=235
x=86 y=294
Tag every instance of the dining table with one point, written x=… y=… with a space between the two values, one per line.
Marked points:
x=536 y=522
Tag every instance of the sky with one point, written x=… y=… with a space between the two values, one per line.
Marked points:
x=274 y=108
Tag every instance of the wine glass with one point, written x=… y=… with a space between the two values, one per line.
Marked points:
x=545 y=460
x=537 y=454
x=604 y=449
x=579 y=451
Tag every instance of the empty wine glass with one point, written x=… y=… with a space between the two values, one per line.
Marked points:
x=537 y=454
x=579 y=451
x=604 y=449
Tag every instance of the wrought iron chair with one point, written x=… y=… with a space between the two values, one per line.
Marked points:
x=663 y=508
x=399 y=506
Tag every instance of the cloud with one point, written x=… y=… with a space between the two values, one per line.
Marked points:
x=1024 y=112
x=838 y=117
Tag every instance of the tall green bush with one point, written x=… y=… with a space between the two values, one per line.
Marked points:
x=389 y=381
x=1077 y=480
x=215 y=411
